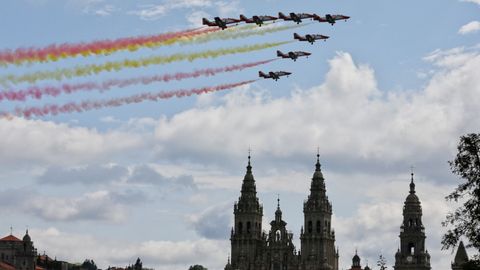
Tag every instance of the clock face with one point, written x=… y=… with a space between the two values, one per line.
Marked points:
x=409 y=258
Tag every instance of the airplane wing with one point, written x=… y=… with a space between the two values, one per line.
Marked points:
x=319 y=37
x=304 y=15
x=282 y=73
x=319 y=18
x=339 y=17
x=267 y=18
x=230 y=20
x=301 y=53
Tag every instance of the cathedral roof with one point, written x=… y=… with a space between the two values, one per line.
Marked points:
x=412 y=198
x=6 y=266
x=27 y=238
x=248 y=185
x=318 y=182
x=461 y=257
x=10 y=238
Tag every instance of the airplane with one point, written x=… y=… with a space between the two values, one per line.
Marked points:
x=330 y=18
x=220 y=22
x=296 y=17
x=293 y=55
x=309 y=38
x=259 y=20
x=273 y=75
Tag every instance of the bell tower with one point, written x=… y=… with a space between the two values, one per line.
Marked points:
x=317 y=237
x=246 y=238
x=412 y=254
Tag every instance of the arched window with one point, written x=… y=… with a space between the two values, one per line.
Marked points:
x=318 y=226
x=410 y=223
x=240 y=227
x=329 y=226
x=411 y=248
x=278 y=235
x=249 y=225
x=310 y=226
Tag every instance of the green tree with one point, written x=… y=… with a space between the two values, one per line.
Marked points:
x=89 y=265
x=382 y=262
x=465 y=220
x=197 y=267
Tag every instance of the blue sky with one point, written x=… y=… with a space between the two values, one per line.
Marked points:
x=395 y=86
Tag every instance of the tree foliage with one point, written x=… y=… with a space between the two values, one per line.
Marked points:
x=382 y=262
x=197 y=267
x=89 y=265
x=465 y=220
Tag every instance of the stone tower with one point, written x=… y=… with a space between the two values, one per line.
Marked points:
x=247 y=239
x=461 y=257
x=412 y=254
x=281 y=254
x=317 y=237
x=356 y=262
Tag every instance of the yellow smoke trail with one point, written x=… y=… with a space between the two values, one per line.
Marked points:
x=224 y=35
x=127 y=63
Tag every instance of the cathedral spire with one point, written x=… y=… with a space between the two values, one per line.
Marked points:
x=278 y=213
x=248 y=185
x=317 y=188
x=412 y=184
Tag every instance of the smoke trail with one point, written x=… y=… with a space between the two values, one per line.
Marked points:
x=52 y=109
x=54 y=52
x=224 y=35
x=38 y=92
x=119 y=65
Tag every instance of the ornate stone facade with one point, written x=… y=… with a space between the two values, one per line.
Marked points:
x=253 y=249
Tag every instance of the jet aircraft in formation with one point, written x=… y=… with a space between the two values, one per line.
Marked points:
x=295 y=17
x=273 y=75
x=293 y=55
x=331 y=19
x=310 y=37
x=220 y=22
x=259 y=20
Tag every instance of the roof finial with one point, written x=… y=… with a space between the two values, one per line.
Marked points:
x=278 y=201
x=11 y=230
x=249 y=167
x=317 y=166
x=412 y=184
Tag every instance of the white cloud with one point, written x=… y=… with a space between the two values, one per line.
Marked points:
x=377 y=220
x=472 y=1
x=161 y=255
x=214 y=222
x=197 y=9
x=99 y=205
x=469 y=28
x=154 y=12
x=347 y=116
x=31 y=142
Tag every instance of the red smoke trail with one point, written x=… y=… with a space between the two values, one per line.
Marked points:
x=56 y=51
x=37 y=92
x=95 y=105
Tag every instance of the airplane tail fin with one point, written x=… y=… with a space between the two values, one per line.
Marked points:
x=281 y=15
x=243 y=18
x=296 y=36
x=279 y=53
x=261 y=74
x=205 y=21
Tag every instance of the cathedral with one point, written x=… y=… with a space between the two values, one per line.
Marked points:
x=254 y=249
